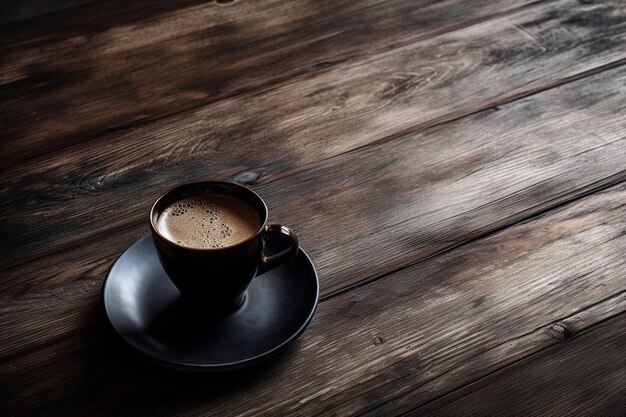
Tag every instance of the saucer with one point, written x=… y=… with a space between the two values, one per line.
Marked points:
x=147 y=311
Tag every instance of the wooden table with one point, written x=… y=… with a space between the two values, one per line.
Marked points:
x=455 y=169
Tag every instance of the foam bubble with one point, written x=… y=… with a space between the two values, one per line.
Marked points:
x=212 y=221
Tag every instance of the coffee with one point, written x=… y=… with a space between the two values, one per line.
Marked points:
x=209 y=221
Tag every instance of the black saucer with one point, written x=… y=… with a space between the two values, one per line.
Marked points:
x=149 y=314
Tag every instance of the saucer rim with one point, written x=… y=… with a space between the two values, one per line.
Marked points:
x=207 y=368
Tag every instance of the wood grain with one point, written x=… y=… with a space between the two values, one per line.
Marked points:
x=456 y=169
x=383 y=348
x=142 y=68
x=361 y=253
x=560 y=381
x=33 y=19
x=450 y=184
x=57 y=200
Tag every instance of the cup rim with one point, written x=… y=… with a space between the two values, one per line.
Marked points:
x=156 y=232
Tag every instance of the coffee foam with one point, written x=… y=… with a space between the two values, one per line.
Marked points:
x=208 y=221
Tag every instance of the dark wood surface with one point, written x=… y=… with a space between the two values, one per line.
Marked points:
x=548 y=383
x=390 y=97
x=214 y=52
x=455 y=169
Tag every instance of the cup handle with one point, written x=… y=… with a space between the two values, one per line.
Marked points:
x=271 y=262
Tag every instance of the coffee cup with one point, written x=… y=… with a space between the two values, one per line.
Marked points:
x=210 y=237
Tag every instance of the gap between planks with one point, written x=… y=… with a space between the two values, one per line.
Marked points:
x=420 y=128
x=605 y=184
x=584 y=333
x=287 y=78
x=94 y=182
x=576 y=317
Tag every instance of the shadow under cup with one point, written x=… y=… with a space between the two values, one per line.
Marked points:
x=217 y=279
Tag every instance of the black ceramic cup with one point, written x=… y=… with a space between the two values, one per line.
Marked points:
x=217 y=278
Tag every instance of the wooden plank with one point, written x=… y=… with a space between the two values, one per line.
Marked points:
x=560 y=381
x=450 y=184
x=431 y=208
x=22 y=10
x=395 y=343
x=94 y=17
x=64 y=89
x=54 y=202
x=43 y=17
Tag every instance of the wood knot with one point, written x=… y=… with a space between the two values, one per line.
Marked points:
x=559 y=331
x=478 y=302
x=320 y=65
x=378 y=340
x=246 y=177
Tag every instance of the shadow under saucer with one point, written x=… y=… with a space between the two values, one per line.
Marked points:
x=148 y=312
